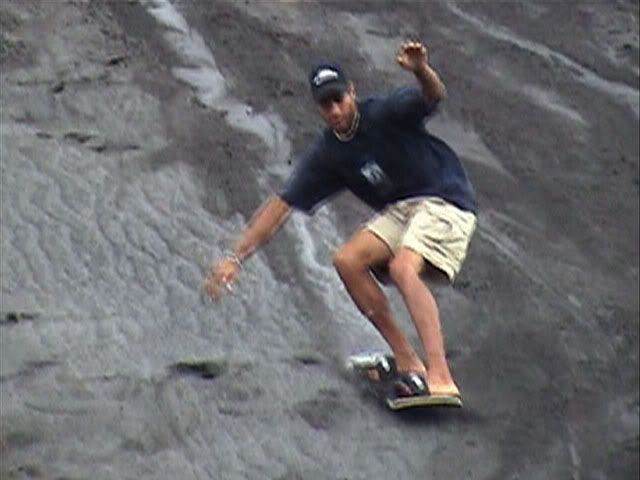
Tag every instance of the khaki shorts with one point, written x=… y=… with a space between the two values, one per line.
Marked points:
x=432 y=227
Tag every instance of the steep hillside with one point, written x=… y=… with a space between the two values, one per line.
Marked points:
x=138 y=137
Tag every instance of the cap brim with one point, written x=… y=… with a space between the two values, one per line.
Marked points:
x=329 y=90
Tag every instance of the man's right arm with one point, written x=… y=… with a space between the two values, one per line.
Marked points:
x=262 y=227
x=311 y=183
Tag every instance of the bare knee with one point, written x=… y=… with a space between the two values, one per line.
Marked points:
x=402 y=273
x=345 y=262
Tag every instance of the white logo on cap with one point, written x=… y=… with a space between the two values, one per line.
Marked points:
x=324 y=75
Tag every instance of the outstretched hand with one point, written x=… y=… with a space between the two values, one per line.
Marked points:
x=221 y=277
x=412 y=56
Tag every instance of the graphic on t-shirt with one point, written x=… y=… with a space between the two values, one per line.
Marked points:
x=373 y=173
x=376 y=176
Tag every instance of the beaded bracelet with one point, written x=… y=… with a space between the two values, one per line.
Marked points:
x=233 y=256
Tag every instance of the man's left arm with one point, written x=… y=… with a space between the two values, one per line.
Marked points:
x=413 y=56
x=432 y=87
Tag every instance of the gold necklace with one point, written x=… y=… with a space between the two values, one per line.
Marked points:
x=345 y=137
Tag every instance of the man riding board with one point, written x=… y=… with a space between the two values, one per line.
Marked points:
x=380 y=150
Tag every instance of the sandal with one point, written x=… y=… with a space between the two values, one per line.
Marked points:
x=411 y=390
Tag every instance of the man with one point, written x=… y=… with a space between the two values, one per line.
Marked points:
x=381 y=151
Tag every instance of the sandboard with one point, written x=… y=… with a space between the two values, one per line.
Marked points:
x=378 y=369
x=374 y=366
x=402 y=403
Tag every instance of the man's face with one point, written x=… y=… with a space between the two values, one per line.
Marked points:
x=338 y=110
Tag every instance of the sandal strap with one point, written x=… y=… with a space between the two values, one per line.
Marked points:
x=410 y=384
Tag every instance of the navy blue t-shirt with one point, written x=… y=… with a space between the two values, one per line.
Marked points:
x=392 y=157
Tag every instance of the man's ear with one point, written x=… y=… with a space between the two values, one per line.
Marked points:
x=351 y=89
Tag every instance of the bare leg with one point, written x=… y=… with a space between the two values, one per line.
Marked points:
x=405 y=271
x=353 y=263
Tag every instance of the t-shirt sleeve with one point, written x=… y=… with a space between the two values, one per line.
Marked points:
x=408 y=104
x=312 y=181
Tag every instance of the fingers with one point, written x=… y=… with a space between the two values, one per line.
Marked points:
x=217 y=283
x=215 y=290
x=220 y=279
x=412 y=45
x=210 y=288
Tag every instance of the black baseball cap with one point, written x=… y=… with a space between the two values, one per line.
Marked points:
x=327 y=79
